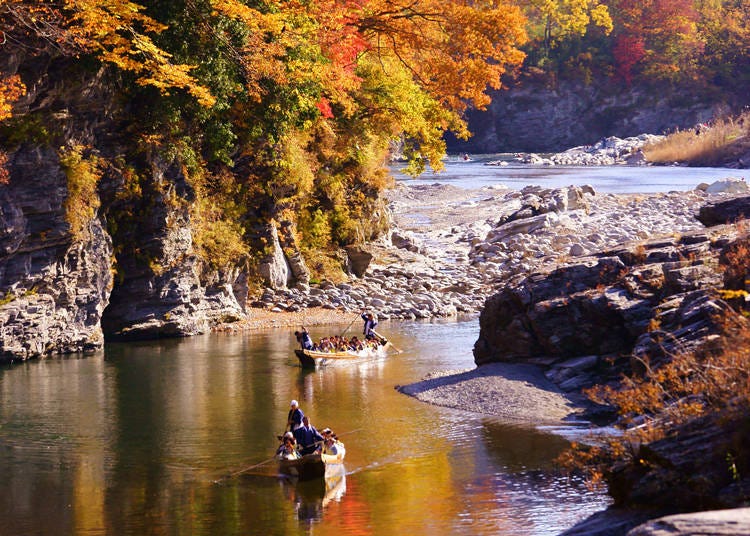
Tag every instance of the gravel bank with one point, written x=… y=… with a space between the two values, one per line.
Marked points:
x=512 y=391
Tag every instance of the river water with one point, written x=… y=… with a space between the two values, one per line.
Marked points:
x=606 y=179
x=175 y=437
x=152 y=438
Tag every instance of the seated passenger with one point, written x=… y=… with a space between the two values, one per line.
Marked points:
x=329 y=443
x=288 y=448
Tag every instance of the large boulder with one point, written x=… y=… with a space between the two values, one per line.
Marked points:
x=725 y=211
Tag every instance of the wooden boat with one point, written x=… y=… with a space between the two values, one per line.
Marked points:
x=315 y=359
x=313 y=466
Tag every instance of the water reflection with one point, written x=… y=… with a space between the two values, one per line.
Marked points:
x=139 y=439
x=311 y=498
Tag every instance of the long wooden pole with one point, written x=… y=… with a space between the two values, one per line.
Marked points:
x=350 y=325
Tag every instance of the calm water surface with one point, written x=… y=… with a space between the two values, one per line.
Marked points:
x=148 y=438
x=604 y=179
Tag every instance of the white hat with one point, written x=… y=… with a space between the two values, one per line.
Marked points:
x=293 y=404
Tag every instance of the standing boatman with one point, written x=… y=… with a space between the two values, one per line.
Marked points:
x=304 y=339
x=295 y=416
x=370 y=325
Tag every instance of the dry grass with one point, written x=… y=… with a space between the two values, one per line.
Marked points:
x=724 y=140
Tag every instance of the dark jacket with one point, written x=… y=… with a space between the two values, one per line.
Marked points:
x=294 y=418
x=307 y=439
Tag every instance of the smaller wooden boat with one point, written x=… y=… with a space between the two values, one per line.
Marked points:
x=315 y=359
x=313 y=466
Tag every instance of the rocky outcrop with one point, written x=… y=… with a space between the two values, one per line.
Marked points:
x=55 y=286
x=166 y=290
x=688 y=471
x=275 y=269
x=643 y=299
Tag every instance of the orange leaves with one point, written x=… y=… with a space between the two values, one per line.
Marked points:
x=11 y=88
x=263 y=54
x=455 y=50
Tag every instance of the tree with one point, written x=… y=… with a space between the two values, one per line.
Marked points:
x=666 y=34
x=552 y=22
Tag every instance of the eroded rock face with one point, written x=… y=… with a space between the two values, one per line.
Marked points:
x=55 y=285
x=167 y=290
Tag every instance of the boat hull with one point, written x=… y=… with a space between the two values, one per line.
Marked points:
x=313 y=359
x=312 y=466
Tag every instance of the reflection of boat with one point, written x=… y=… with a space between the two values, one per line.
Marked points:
x=314 y=359
x=313 y=466
x=310 y=498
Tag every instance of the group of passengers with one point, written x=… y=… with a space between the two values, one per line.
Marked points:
x=303 y=438
x=338 y=343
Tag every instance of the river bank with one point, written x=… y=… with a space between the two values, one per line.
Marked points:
x=452 y=248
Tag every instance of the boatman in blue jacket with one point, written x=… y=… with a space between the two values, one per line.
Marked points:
x=295 y=416
x=370 y=325
x=304 y=339
x=308 y=438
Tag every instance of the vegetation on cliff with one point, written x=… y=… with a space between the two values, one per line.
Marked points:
x=269 y=110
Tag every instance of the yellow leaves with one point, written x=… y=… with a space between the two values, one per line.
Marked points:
x=83 y=172
x=554 y=20
x=118 y=32
x=11 y=89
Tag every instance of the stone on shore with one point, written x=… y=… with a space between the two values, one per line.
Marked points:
x=733 y=522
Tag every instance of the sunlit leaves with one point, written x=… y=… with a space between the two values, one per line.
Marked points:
x=11 y=88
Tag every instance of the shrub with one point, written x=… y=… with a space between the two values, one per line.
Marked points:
x=711 y=383
x=83 y=173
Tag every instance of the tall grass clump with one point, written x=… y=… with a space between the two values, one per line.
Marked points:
x=707 y=145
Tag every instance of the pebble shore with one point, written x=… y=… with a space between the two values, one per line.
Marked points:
x=452 y=248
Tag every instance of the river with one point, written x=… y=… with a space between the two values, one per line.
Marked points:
x=175 y=437
x=605 y=179
x=160 y=438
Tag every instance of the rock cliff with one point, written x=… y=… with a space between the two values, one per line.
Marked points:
x=55 y=285
x=533 y=116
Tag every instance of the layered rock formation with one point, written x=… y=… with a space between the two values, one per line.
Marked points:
x=167 y=290
x=55 y=285
x=627 y=310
